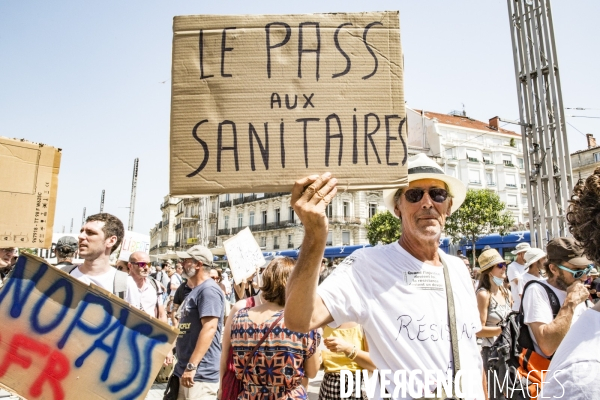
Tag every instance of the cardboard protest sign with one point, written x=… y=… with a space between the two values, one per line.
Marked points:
x=133 y=242
x=62 y=339
x=243 y=255
x=28 y=185
x=261 y=101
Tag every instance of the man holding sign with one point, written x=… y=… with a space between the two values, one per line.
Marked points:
x=398 y=291
x=99 y=237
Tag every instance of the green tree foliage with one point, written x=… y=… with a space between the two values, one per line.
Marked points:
x=384 y=228
x=482 y=213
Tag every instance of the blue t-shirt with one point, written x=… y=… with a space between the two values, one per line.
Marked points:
x=205 y=300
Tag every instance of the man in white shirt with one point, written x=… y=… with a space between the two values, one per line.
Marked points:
x=567 y=268
x=534 y=264
x=99 y=237
x=515 y=271
x=397 y=292
x=143 y=291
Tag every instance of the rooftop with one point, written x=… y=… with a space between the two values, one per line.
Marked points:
x=466 y=122
x=585 y=150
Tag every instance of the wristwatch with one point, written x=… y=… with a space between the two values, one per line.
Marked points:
x=191 y=367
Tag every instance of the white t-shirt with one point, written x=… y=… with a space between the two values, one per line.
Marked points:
x=536 y=307
x=575 y=368
x=515 y=271
x=144 y=298
x=175 y=281
x=401 y=304
x=105 y=281
x=526 y=278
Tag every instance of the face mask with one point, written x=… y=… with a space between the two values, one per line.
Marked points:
x=498 y=281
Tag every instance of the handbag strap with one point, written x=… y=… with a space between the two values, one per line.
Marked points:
x=452 y=320
x=261 y=341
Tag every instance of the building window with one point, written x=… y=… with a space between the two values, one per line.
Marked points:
x=596 y=157
x=329 y=210
x=346 y=209
x=251 y=222
x=226 y=221
x=472 y=155
x=263 y=241
x=291 y=217
x=345 y=238
x=511 y=180
x=474 y=176
x=264 y=217
x=524 y=201
x=372 y=209
x=240 y=220
x=329 y=239
x=521 y=163
x=227 y=197
x=452 y=172
x=450 y=154
x=489 y=179
x=512 y=200
x=487 y=158
x=507 y=159
x=277 y=215
x=275 y=242
x=290 y=242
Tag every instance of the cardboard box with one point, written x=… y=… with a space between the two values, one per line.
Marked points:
x=259 y=101
x=28 y=185
x=63 y=339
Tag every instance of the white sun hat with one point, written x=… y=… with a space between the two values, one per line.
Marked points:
x=422 y=167
x=532 y=255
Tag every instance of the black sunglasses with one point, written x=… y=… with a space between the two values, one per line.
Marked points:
x=436 y=194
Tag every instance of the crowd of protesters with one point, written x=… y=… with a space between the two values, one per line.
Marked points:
x=266 y=336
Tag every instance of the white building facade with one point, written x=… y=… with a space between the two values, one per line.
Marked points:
x=480 y=154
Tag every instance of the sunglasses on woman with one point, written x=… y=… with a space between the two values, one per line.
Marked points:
x=415 y=195
x=501 y=265
x=578 y=273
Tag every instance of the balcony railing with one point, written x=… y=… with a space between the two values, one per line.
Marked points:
x=237 y=229
x=488 y=162
x=163 y=244
x=523 y=186
x=160 y=224
x=272 y=225
x=508 y=163
x=471 y=159
x=275 y=247
x=475 y=182
x=154 y=247
x=511 y=185
x=248 y=199
x=290 y=245
x=177 y=244
x=225 y=231
x=345 y=220
x=226 y=203
x=237 y=201
x=178 y=226
x=491 y=183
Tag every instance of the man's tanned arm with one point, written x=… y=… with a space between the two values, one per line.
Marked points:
x=304 y=309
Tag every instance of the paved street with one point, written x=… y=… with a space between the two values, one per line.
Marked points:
x=158 y=389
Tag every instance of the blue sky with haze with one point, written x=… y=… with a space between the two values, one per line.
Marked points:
x=88 y=77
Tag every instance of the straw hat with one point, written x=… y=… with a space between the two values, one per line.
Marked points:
x=422 y=167
x=489 y=258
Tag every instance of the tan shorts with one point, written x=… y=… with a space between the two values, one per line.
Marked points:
x=200 y=391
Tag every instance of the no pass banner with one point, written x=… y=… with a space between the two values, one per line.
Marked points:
x=63 y=339
x=260 y=101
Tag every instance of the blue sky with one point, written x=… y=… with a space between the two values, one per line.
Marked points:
x=87 y=77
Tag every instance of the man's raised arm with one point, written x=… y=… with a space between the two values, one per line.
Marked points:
x=304 y=309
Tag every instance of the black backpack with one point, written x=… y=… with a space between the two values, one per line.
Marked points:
x=503 y=361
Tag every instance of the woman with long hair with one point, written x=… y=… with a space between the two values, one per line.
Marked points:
x=269 y=359
x=493 y=300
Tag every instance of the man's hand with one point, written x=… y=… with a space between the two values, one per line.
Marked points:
x=168 y=359
x=577 y=293
x=310 y=197
x=187 y=379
